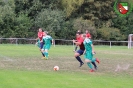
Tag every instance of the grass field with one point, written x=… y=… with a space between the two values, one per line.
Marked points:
x=21 y=66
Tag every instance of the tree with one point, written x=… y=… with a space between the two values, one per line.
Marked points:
x=50 y=20
x=7 y=17
x=98 y=11
x=12 y=25
x=34 y=7
x=70 y=6
x=124 y=24
x=22 y=26
x=130 y=24
x=80 y=24
x=67 y=31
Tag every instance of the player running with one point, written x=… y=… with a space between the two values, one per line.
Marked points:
x=79 y=42
x=88 y=35
x=47 y=39
x=39 y=40
x=88 y=53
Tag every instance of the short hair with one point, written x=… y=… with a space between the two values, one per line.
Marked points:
x=46 y=32
x=78 y=32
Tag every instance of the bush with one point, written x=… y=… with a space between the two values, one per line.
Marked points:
x=112 y=34
x=50 y=20
x=80 y=24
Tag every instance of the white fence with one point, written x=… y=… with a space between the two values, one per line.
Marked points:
x=110 y=43
x=60 y=42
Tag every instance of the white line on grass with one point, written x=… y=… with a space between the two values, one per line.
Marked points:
x=117 y=53
x=122 y=67
x=6 y=58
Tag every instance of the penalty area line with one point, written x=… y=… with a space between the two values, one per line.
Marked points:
x=6 y=58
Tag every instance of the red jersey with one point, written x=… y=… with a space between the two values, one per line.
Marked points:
x=80 y=39
x=40 y=35
x=88 y=35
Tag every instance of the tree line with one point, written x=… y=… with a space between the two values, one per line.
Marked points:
x=62 y=18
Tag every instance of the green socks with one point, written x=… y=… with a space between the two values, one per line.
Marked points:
x=89 y=65
x=46 y=54
x=93 y=60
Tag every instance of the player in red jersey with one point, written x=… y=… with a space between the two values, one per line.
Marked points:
x=88 y=34
x=79 y=42
x=40 y=37
x=40 y=34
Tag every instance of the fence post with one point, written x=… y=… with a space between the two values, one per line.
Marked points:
x=110 y=44
x=54 y=42
x=73 y=43
x=16 y=41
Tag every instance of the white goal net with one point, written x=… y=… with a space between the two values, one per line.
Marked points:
x=130 y=41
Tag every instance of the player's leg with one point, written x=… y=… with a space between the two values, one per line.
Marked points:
x=47 y=47
x=89 y=64
x=89 y=59
x=77 y=54
x=46 y=53
x=93 y=62
x=95 y=59
x=41 y=47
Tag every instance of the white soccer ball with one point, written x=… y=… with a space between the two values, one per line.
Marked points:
x=56 y=68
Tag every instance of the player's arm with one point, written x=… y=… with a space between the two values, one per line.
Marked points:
x=84 y=51
x=76 y=47
x=77 y=43
x=92 y=48
x=52 y=41
x=37 y=39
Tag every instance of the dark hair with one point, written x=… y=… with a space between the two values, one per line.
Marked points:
x=78 y=33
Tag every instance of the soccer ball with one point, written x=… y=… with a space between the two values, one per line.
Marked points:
x=56 y=68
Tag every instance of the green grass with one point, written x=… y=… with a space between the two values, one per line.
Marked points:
x=32 y=79
x=21 y=67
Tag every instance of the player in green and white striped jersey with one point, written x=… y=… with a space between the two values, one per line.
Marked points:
x=47 y=39
x=88 y=53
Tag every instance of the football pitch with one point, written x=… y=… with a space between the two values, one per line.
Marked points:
x=21 y=66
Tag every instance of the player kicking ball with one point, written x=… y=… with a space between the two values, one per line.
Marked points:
x=47 y=39
x=88 y=53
